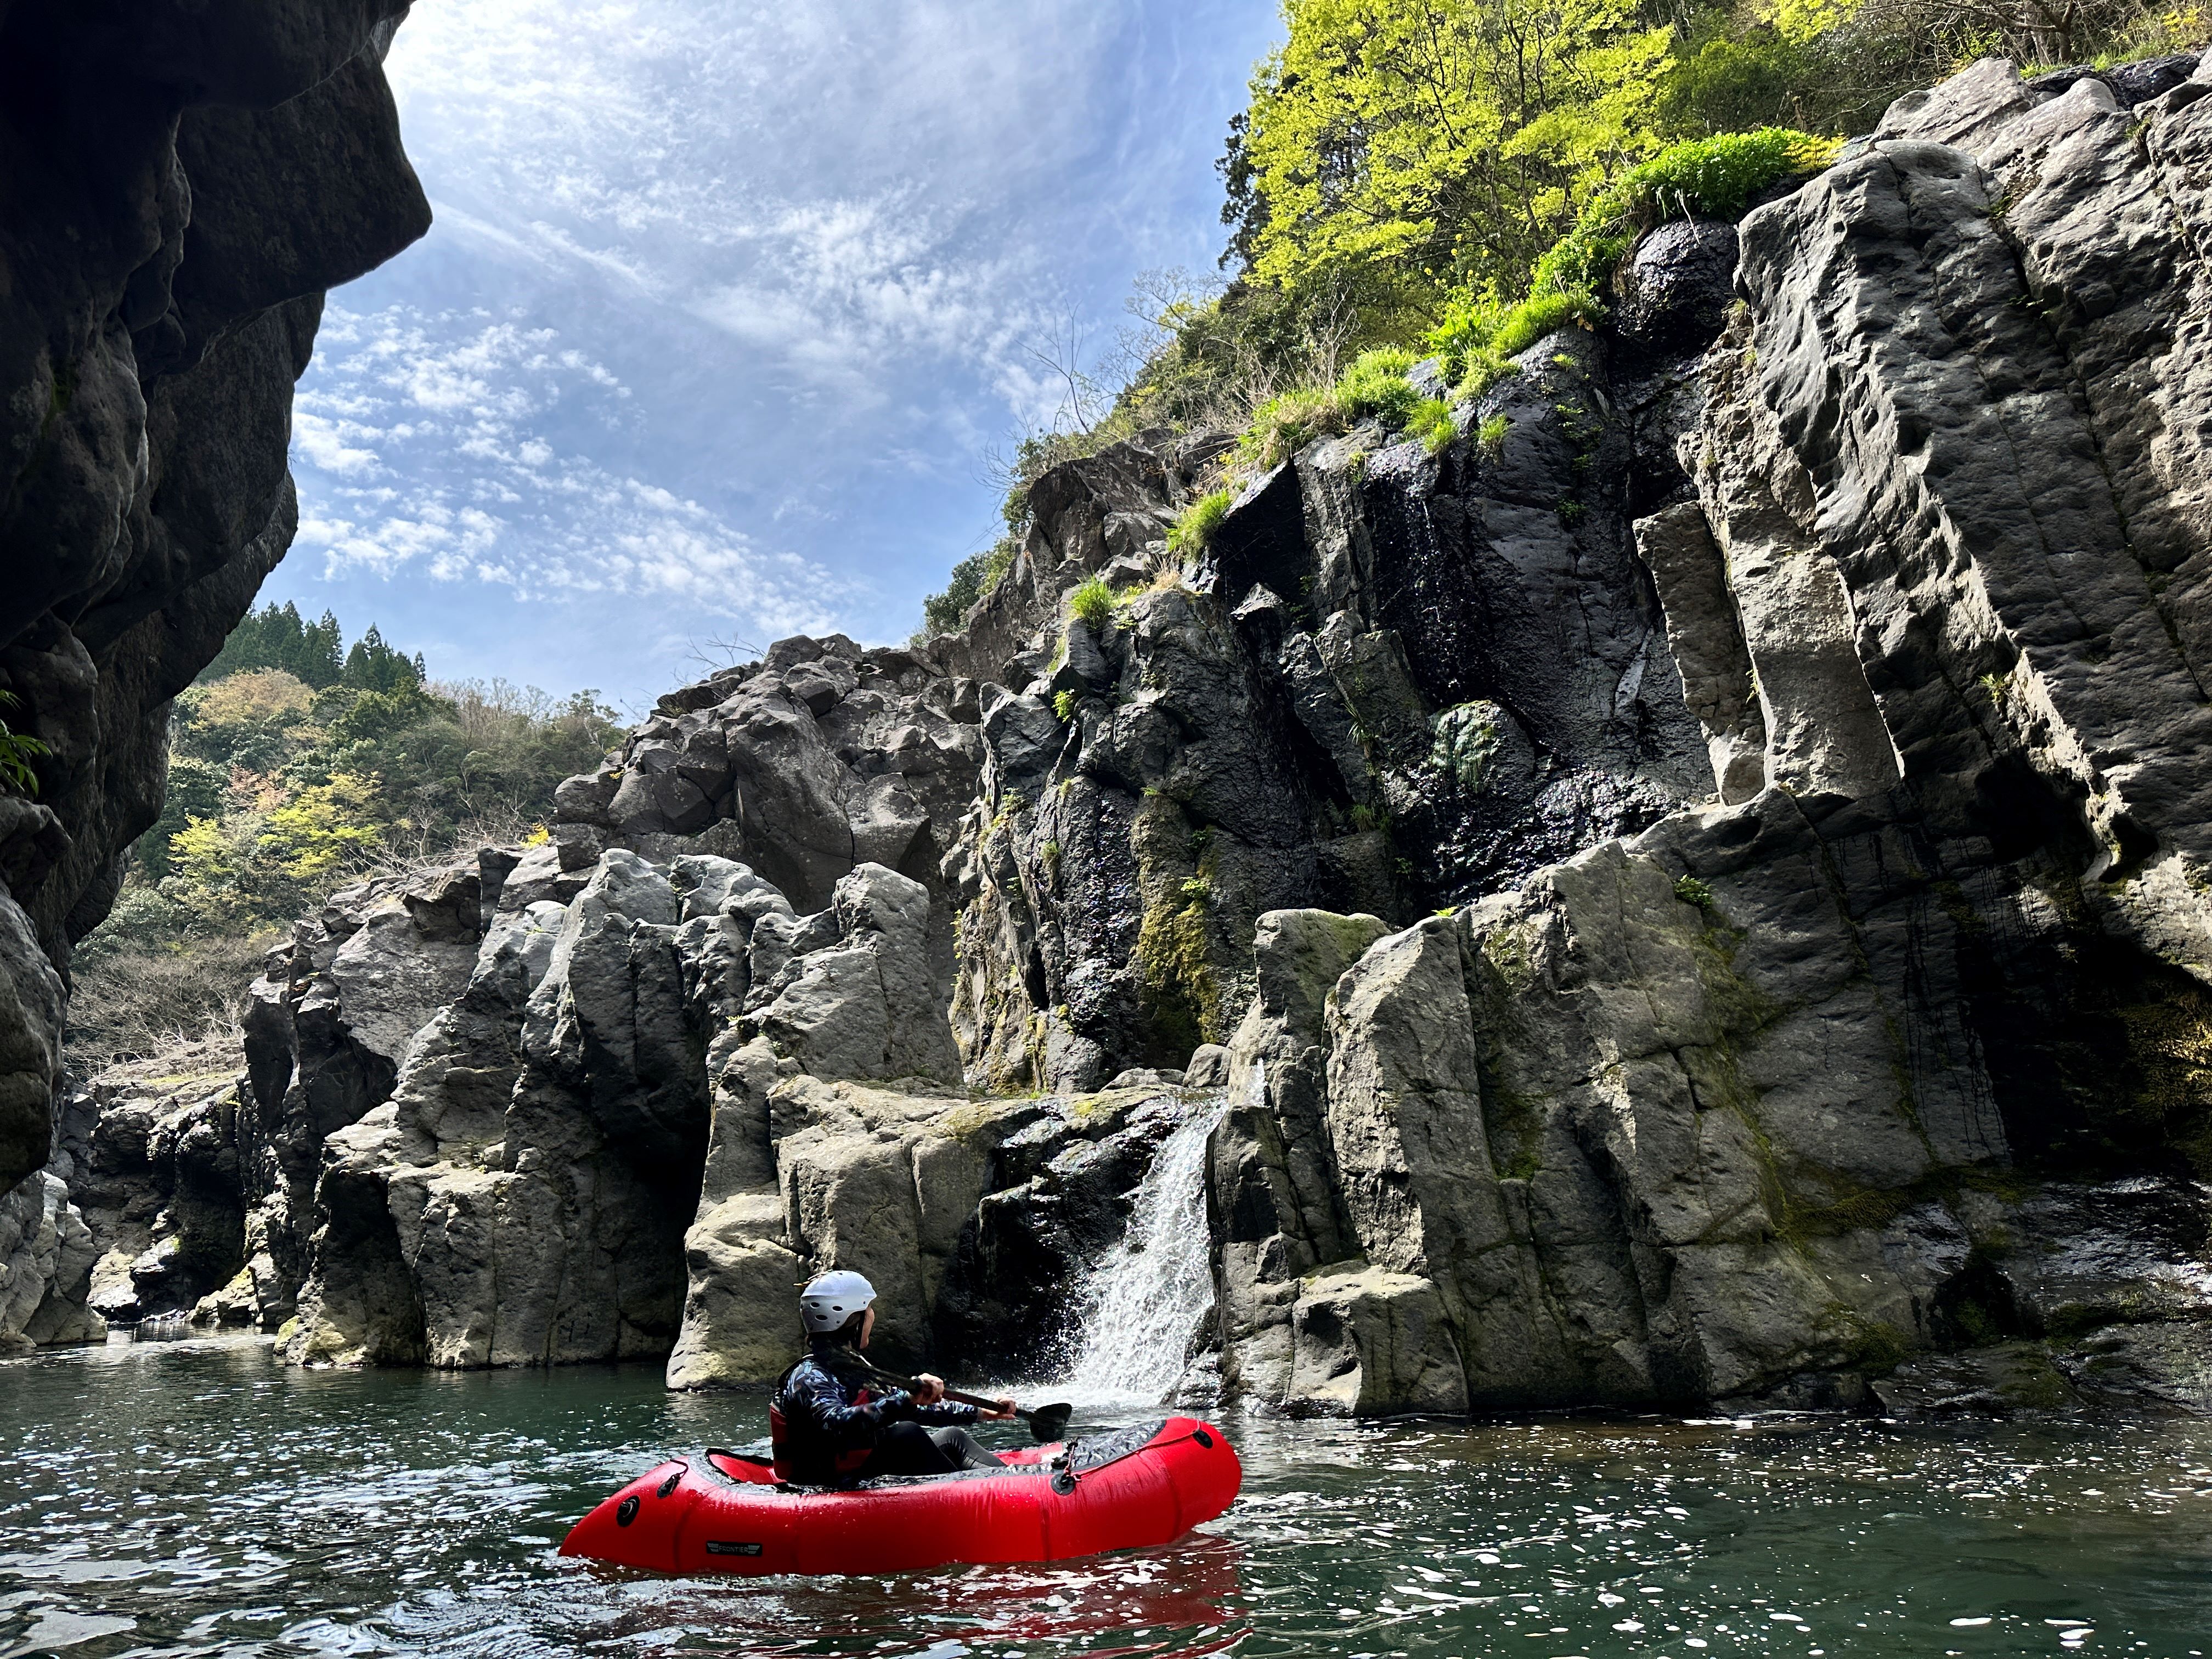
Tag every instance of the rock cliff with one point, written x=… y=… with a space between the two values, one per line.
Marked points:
x=1693 y=890
x=178 y=187
x=1896 y=1044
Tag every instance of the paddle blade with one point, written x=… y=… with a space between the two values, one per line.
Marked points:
x=1050 y=1423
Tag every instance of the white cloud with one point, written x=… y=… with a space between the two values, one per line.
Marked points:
x=488 y=498
x=779 y=264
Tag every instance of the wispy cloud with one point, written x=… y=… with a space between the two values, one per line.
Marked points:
x=726 y=298
x=423 y=439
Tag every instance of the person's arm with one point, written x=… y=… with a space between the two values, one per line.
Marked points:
x=846 y=1423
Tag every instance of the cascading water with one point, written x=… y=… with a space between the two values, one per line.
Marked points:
x=1146 y=1295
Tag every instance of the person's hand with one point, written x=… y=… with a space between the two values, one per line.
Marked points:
x=928 y=1390
x=1004 y=1408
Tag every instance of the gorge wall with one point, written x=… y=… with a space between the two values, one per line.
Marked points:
x=1694 y=890
x=178 y=186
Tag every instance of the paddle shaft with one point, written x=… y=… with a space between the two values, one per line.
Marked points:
x=911 y=1384
x=1059 y=1413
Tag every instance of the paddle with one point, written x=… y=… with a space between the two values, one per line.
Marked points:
x=1047 y=1423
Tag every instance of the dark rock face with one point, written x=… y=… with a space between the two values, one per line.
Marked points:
x=1893 y=1053
x=1397 y=681
x=180 y=190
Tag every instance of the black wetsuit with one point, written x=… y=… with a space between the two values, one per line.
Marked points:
x=830 y=1430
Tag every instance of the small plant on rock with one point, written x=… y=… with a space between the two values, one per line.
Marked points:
x=1376 y=384
x=1093 y=604
x=1432 y=423
x=1195 y=528
x=1690 y=891
x=1491 y=434
x=1063 y=704
x=1286 y=423
x=17 y=752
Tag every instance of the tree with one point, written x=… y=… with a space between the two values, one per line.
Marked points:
x=373 y=665
x=1398 y=148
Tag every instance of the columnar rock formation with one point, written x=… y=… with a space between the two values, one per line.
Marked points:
x=1695 y=889
x=1899 y=1045
x=180 y=185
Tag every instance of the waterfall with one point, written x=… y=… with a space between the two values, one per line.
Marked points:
x=1146 y=1295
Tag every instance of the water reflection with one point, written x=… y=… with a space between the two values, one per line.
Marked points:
x=198 y=1499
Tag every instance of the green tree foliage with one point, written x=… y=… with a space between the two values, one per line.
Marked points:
x=1396 y=149
x=279 y=791
x=373 y=665
x=276 y=637
x=17 y=754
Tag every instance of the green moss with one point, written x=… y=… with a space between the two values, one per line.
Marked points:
x=1875 y=1345
x=1513 y=1123
x=1180 y=998
x=1690 y=891
x=1511 y=952
x=1468 y=741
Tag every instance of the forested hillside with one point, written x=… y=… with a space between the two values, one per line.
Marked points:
x=296 y=763
x=1454 y=177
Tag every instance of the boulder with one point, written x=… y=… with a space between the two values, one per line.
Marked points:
x=1373 y=1343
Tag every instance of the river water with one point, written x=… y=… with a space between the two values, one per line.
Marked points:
x=200 y=1497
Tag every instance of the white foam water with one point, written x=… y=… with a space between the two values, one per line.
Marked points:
x=1146 y=1297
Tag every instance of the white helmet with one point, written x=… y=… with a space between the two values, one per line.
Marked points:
x=827 y=1302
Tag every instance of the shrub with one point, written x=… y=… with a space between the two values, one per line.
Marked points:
x=1376 y=384
x=1711 y=177
x=1432 y=423
x=1479 y=340
x=1195 y=529
x=1286 y=423
x=1093 y=604
x=975 y=578
x=17 y=752
x=1690 y=891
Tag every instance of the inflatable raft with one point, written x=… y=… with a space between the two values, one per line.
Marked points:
x=725 y=1512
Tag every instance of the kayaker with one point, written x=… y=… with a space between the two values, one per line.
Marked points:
x=829 y=1428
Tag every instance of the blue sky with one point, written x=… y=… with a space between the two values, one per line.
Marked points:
x=725 y=304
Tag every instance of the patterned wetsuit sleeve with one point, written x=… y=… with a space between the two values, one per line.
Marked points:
x=819 y=1396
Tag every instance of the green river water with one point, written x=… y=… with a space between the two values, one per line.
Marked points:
x=201 y=1498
